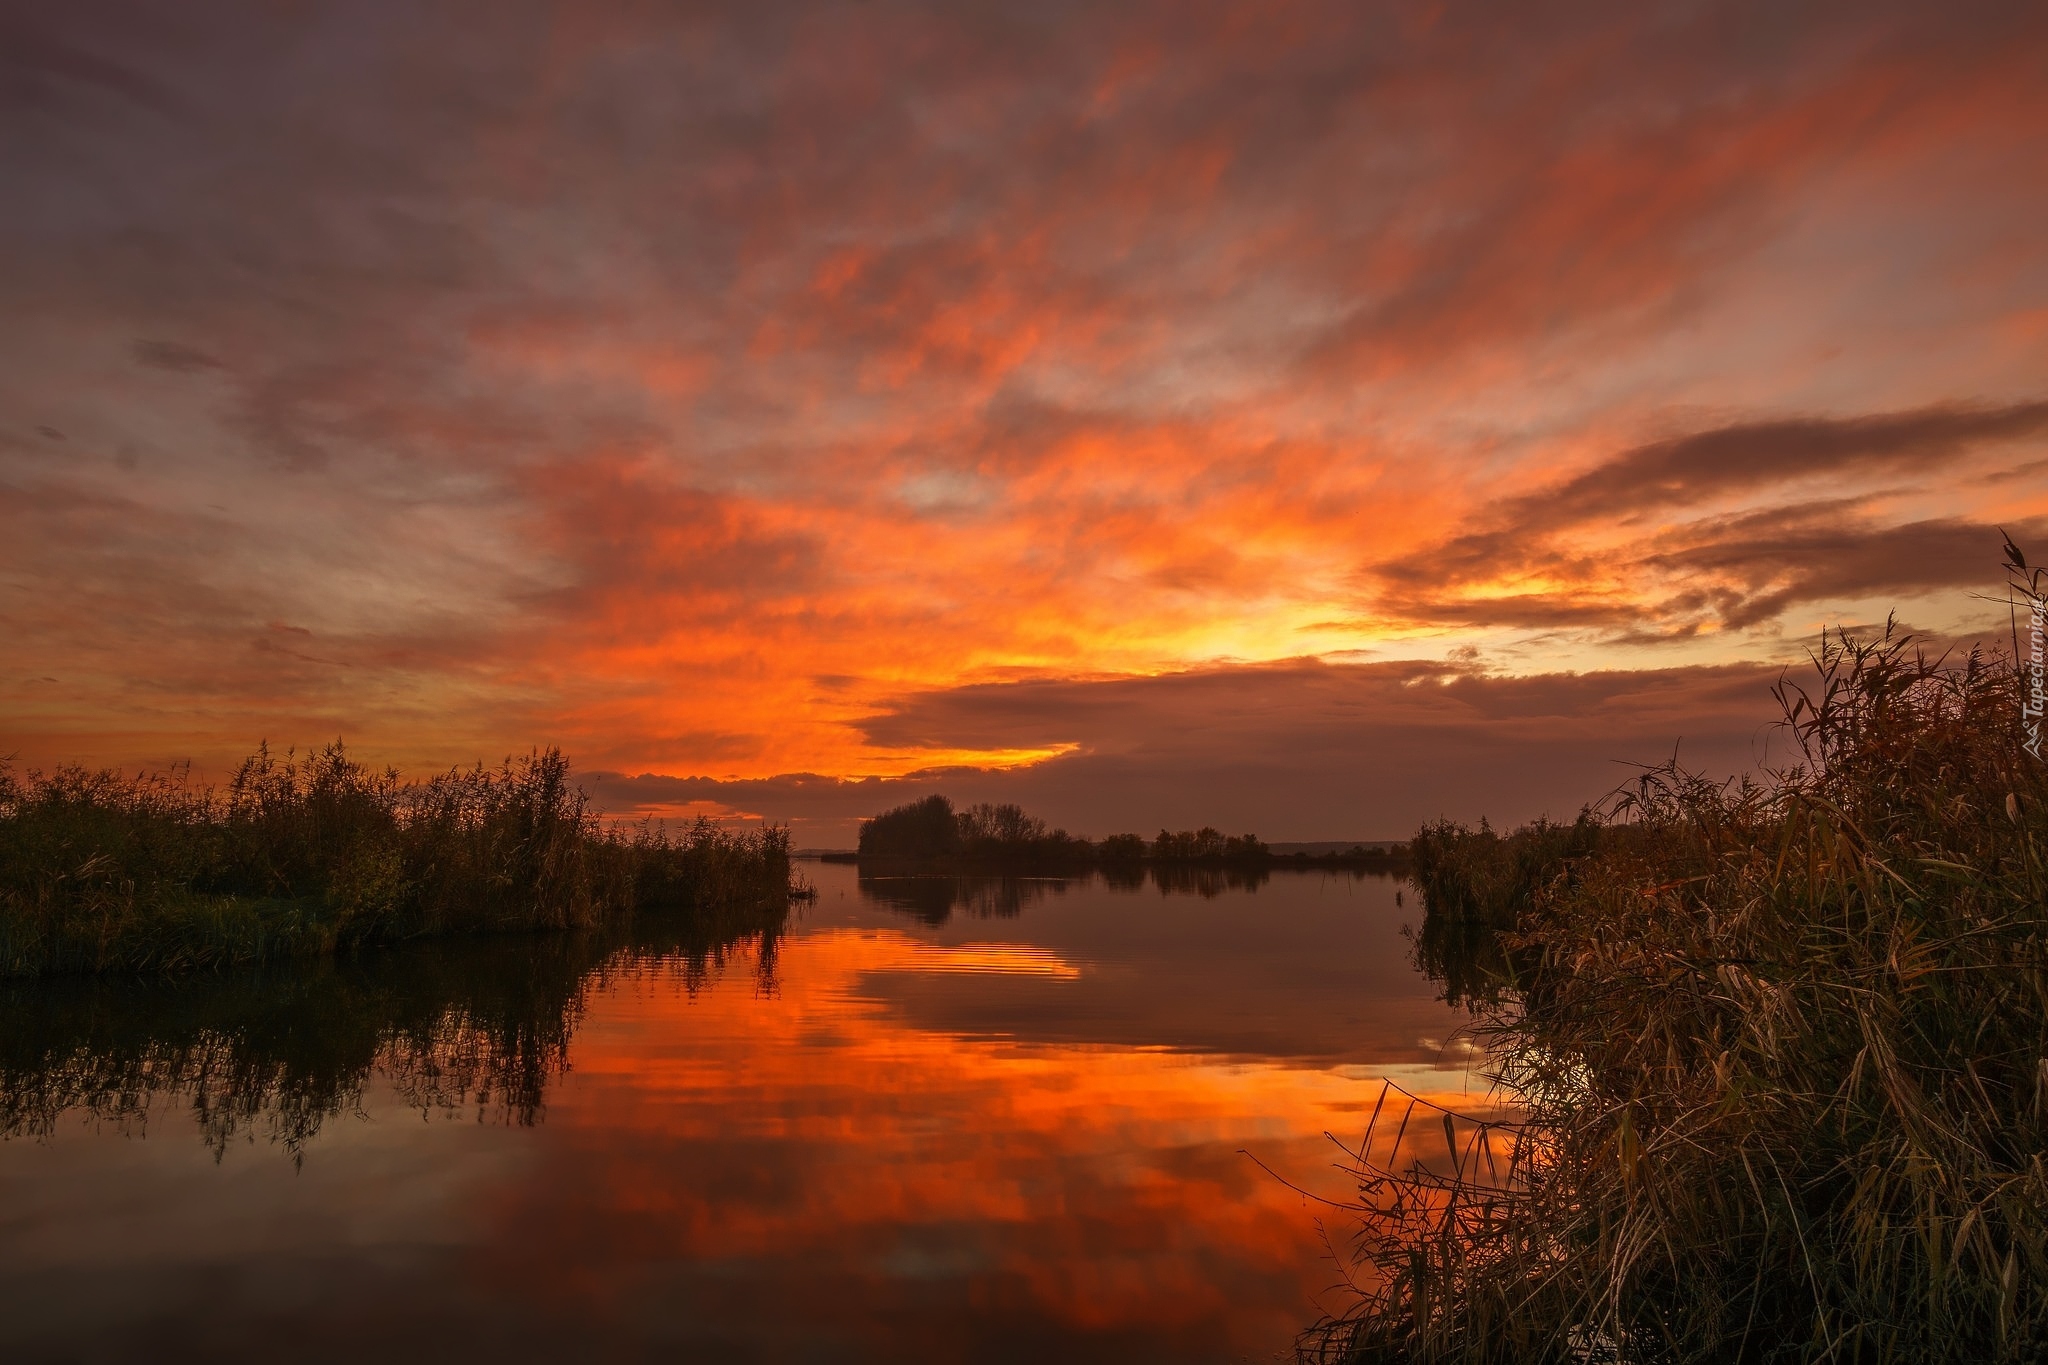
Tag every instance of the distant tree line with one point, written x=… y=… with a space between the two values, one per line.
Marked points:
x=932 y=834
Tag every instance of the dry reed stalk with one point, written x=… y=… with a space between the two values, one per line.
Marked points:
x=307 y=856
x=1781 y=1050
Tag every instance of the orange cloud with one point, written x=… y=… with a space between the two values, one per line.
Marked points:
x=685 y=390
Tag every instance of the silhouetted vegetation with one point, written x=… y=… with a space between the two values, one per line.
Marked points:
x=1778 y=1050
x=923 y=831
x=1205 y=845
x=306 y=856
x=1476 y=876
x=929 y=835
x=1122 y=849
x=1387 y=859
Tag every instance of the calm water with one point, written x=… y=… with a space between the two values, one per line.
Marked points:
x=931 y=1121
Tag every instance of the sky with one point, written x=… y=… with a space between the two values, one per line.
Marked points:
x=1310 y=419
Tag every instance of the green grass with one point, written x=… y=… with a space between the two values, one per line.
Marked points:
x=1780 y=1052
x=301 y=857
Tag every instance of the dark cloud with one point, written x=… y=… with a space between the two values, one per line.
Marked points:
x=1750 y=455
x=1730 y=573
x=1298 y=750
x=1778 y=559
x=173 y=356
x=1736 y=571
x=38 y=70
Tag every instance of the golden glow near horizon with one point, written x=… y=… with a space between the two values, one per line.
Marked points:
x=759 y=397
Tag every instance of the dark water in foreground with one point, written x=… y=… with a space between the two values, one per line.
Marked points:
x=932 y=1121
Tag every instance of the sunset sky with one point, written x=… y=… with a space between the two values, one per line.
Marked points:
x=1302 y=418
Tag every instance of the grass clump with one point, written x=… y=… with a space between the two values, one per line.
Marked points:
x=1479 y=877
x=296 y=857
x=1780 y=1050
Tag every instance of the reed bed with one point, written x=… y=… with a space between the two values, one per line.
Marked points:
x=1779 y=1051
x=305 y=856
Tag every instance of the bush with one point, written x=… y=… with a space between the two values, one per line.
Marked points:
x=931 y=835
x=1476 y=876
x=920 y=831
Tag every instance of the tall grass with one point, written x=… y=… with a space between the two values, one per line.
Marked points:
x=302 y=856
x=1480 y=877
x=1781 y=1054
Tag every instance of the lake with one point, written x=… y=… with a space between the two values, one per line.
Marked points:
x=934 y=1119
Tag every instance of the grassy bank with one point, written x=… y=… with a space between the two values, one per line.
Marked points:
x=301 y=857
x=1781 y=1052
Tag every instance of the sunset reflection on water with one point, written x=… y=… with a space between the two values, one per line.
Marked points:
x=1021 y=1133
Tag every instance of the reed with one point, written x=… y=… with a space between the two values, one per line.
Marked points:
x=305 y=856
x=1479 y=877
x=1779 y=1051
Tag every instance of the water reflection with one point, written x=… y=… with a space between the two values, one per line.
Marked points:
x=935 y=899
x=1012 y=1133
x=1466 y=958
x=478 y=1026
x=1474 y=964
